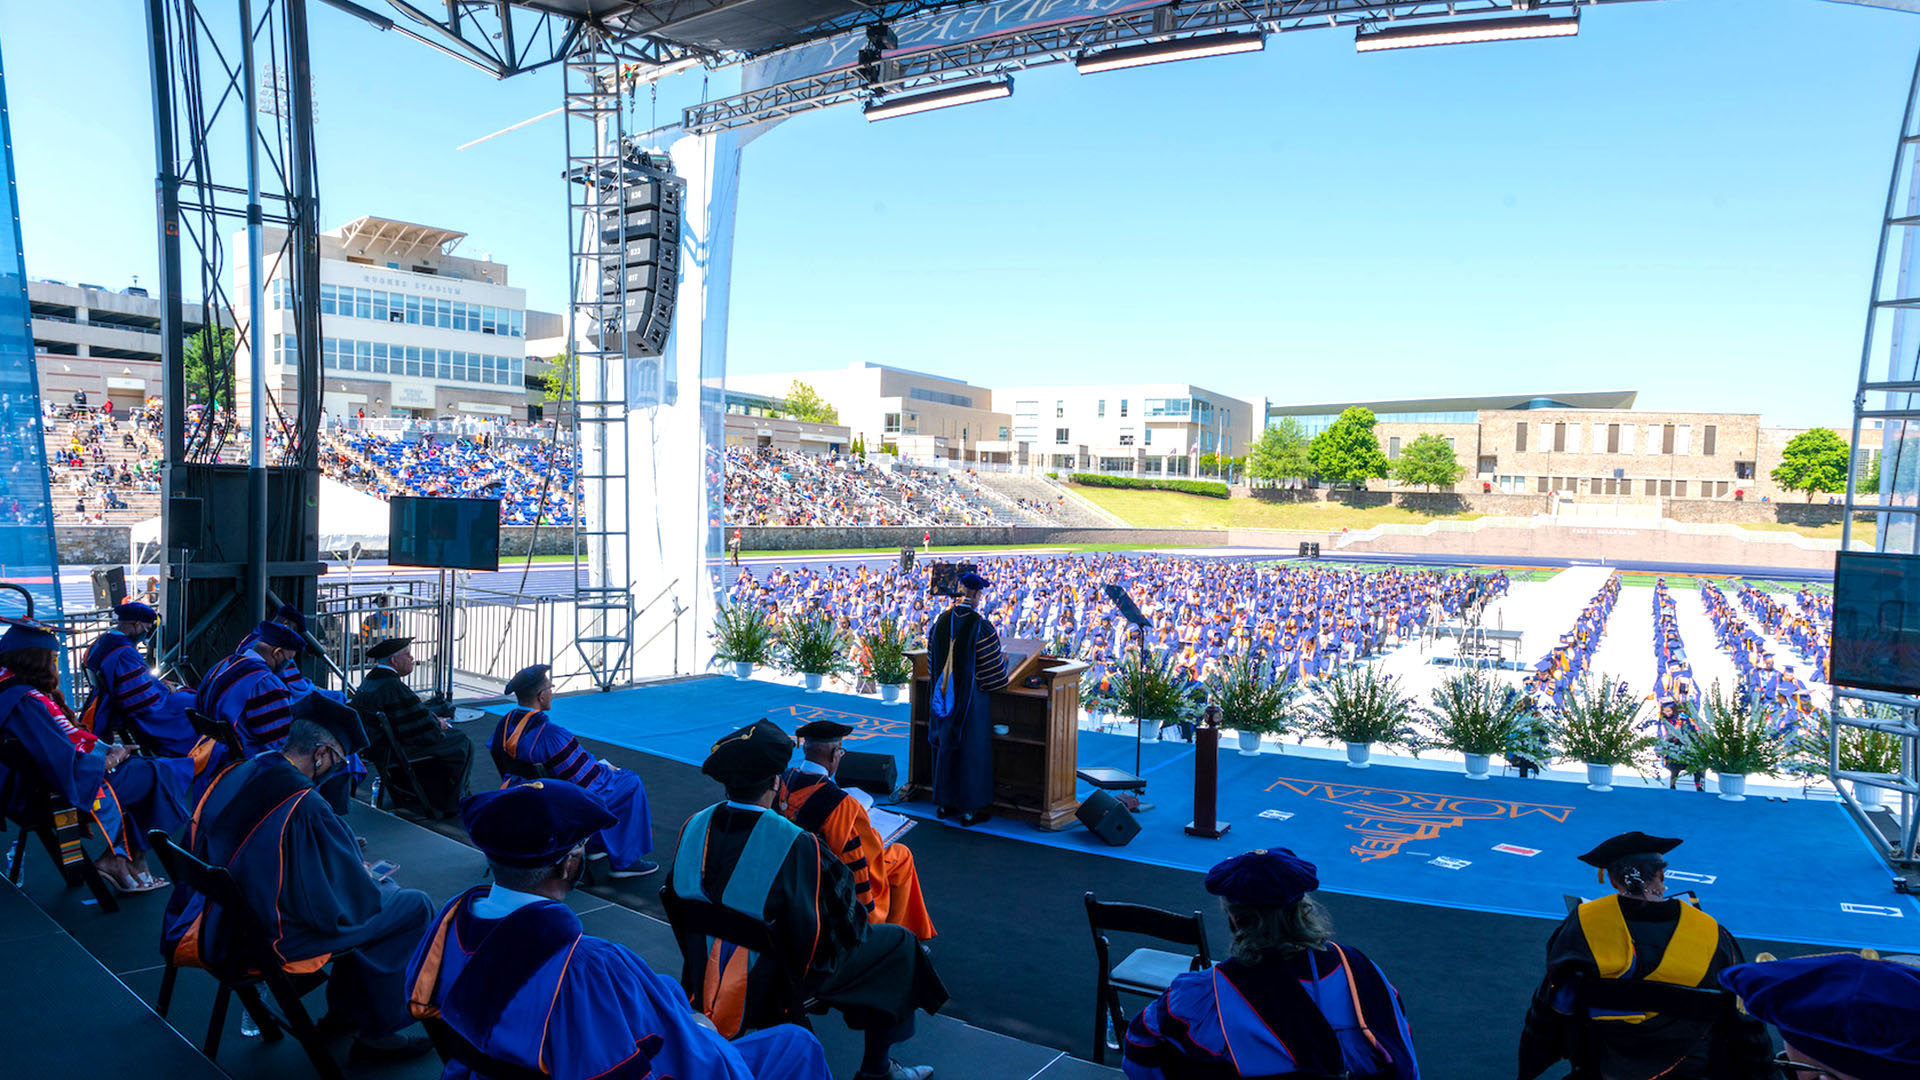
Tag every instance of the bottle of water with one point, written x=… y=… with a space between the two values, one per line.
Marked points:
x=248 y=1028
x=373 y=792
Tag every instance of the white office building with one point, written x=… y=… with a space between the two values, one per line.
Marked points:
x=408 y=329
x=1148 y=429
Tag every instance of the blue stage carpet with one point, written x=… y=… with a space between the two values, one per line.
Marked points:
x=1790 y=871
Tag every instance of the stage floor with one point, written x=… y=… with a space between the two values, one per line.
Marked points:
x=1795 y=870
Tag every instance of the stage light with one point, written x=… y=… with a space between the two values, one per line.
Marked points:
x=939 y=99
x=1516 y=28
x=1161 y=52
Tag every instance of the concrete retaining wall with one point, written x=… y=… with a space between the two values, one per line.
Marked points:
x=803 y=538
x=1429 y=502
x=1749 y=512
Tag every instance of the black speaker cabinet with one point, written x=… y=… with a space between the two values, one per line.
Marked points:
x=109 y=586
x=877 y=774
x=186 y=522
x=1108 y=818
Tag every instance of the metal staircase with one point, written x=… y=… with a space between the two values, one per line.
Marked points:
x=596 y=178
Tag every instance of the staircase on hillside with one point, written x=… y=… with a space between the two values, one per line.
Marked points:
x=1072 y=513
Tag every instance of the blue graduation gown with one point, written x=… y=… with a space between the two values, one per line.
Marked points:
x=243 y=691
x=531 y=736
x=963 y=741
x=129 y=695
x=142 y=794
x=298 y=867
x=1260 y=1020
x=542 y=994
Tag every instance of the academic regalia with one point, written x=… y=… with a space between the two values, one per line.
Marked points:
x=963 y=742
x=142 y=794
x=1658 y=941
x=298 y=866
x=442 y=758
x=531 y=989
x=1326 y=1012
x=529 y=735
x=877 y=973
x=243 y=691
x=126 y=694
x=884 y=878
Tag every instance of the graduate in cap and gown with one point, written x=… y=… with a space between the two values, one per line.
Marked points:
x=1289 y=1000
x=127 y=694
x=1847 y=1016
x=528 y=734
x=962 y=741
x=246 y=690
x=884 y=878
x=441 y=756
x=742 y=855
x=1638 y=933
x=121 y=795
x=507 y=967
x=298 y=866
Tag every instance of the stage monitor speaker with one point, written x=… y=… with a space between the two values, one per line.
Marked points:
x=186 y=523
x=109 y=586
x=877 y=774
x=1309 y=550
x=1109 y=819
x=906 y=556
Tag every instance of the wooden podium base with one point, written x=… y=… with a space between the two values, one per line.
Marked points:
x=1218 y=830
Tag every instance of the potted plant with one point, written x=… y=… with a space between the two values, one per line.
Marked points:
x=1149 y=691
x=1733 y=739
x=813 y=647
x=1359 y=706
x=1600 y=726
x=1252 y=700
x=743 y=635
x=1099 y=701
x=1474 y=715
x=884 y=659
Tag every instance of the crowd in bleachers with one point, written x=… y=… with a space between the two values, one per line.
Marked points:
x=102 y=467
x=534 y=481
x=785 y=487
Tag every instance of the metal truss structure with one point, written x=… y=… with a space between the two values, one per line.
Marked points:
x=1060 y=42
x=1888 y=392
x=232 y=152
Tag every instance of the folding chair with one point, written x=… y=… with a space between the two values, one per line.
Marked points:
x=220 y=732
x=784 y=999
x=391 y=759
x=1590 y=993
x=513 y=766
x=253 y=961
x=1145 y=972
x=55 y=821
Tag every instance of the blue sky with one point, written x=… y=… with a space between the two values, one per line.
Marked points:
x=1684 y=200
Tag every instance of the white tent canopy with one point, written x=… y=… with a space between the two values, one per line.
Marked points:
x=347 y=517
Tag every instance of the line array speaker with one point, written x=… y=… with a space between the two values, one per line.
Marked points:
x=641 y=261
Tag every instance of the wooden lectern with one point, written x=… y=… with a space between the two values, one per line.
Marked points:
x=1033 y=762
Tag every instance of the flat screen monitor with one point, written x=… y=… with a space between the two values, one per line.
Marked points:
x=943 y=578
x=1876 y=621
x=448 y=534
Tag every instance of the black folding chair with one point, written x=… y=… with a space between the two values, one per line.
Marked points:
x=220 y=732
x=1587 y=1034
x=1145 y=972
x=784 y=999
x=58 y=824
x=253 y=963
x=513 y=766
x=392 y=762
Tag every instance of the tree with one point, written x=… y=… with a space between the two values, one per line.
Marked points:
x=805 y=403
x=208 y=363
x=1209 y=464
x=1348 y=452
x=563 y=381
x=1814 y=462
x=1870 y=484
x=1429 y=462
x=1280 y=454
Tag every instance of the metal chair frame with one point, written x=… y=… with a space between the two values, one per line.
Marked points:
x=44 y=806
x=1189 y=930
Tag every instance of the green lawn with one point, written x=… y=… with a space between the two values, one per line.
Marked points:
x=1173 y=510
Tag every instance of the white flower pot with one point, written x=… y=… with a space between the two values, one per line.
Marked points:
x=742 y=670
x=1733 y=786
x=1249 y=743
x=1099 y=717
x=1357 y=755
x=1477 y=765
x=814 y=681
x=890 y=693
x=1599 y=777
x=1871 y=798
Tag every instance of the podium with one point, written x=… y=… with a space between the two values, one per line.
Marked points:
x=1033 y=762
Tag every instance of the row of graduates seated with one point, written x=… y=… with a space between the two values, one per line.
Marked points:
x=792 y=852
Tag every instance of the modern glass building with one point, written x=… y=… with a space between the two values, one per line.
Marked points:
x=1316 y=418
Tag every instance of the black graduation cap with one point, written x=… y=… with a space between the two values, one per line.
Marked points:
x=339 y=719
x=1627 y=845
x=388 y=647
x=528 y=680
x=823 y=731
x=755 y=752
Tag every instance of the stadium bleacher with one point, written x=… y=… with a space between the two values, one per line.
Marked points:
x=533 y=480
x=784 y=487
